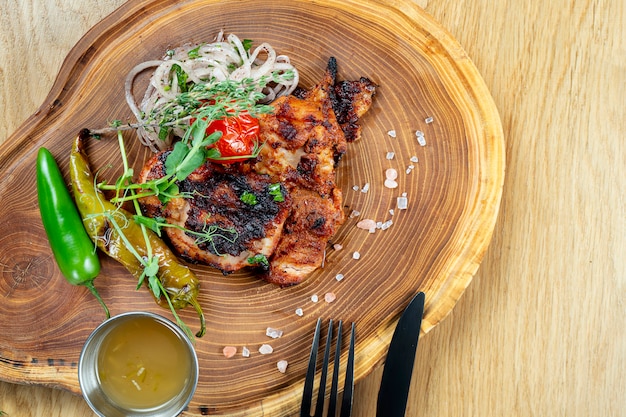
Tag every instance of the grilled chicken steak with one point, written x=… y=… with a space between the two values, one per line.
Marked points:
x=304 y=139
x=228 y=233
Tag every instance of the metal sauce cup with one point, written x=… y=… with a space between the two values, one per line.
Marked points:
x=89 y=374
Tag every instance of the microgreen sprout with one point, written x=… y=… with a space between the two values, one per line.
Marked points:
x=208 y=234
x=212 y=101
x=149 y=263
x=193 y=110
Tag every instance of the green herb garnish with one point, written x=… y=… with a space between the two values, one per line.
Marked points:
x=194 y=53
x=259 y=259
x=181 y=78
x=248 y=198
x=276 y=192
x=247 y=44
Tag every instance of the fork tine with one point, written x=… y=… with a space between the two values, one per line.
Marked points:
x=348 y=386
x=334 y=387
x=319 y=407
x=307 y=396
x=348 y=389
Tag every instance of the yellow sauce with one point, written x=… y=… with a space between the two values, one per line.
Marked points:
x=142 y=364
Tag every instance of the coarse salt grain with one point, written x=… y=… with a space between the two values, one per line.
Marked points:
x=429 y=119
x=282 y=366
x=273 y=333
x=315 y=298
x=355 y=213
x=337 y=246
x=355 y=187
x=339 y=277
x=386 y=225
x=391 y=183
x=329 y=297
x=392 y=133
x=392 y=212
x=266 y=349
x=403 y=203
x=391 y=174
x=408 y=170
x=414 y=159
x=299 y=312
x=421 y=140
x=229 y=351
x=356 y=255
x=245 y=352
x=365 y=188
x=390 y=155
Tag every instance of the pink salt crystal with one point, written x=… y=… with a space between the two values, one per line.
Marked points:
x=337 y=246
x=366 y=224
x=329 y=297
x=229 y=351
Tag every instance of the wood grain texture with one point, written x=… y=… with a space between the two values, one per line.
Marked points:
x=540 y=331
x=454 y=195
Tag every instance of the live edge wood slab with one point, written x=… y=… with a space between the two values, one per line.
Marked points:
x=426 y=82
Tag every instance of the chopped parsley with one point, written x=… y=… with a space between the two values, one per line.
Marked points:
x=194 y=53
x=248 y=198
x=276 y=192
x=259 y=259
x=247 y=44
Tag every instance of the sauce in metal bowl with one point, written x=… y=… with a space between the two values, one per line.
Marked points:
x=142 y=362
x=138 y=364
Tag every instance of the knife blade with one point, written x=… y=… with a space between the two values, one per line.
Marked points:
x=396 y=381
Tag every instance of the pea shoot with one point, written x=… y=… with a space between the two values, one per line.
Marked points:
x=116 y=233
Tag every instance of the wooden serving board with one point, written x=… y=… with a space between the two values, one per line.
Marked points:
x=435 y=245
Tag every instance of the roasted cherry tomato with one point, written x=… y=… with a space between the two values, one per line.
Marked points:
x=240 y=135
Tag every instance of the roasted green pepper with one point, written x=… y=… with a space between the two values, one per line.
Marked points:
x=178 y=280
x=73 y=250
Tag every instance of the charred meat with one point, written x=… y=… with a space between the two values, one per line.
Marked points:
x=231 y=220
x=303 y=140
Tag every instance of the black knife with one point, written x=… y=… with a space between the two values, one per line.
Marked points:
x=396 y=381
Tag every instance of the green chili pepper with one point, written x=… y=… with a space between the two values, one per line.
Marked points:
x=73 y=250
x=104 y=221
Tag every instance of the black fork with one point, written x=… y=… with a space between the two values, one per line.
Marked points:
x=348 y=386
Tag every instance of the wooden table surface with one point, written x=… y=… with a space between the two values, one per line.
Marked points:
x=541 y=330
